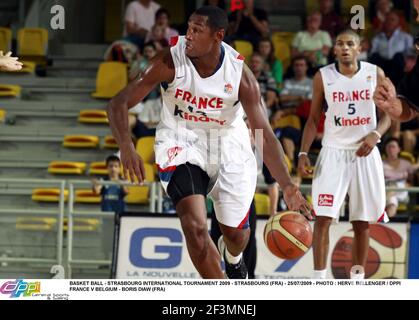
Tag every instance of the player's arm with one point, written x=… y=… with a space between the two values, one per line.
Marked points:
x=384 y=123
x=310 y=129
x=161 y=69
x=273 y=154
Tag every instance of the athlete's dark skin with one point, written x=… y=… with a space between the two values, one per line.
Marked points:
x=203 y=49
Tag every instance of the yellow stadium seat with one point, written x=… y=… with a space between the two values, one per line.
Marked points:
x=291 y=120
x=407 y=156
x=2 y=115
x=80 y=141
x=288 y=163
x=82 y=224
x=145 y=148
x=5 y=39
x=140 y=194
x=262 y=204
x=111 y=78
x=35 y=223
x=28 y=67
x=66 y=167
x=32 y=44
x=110 y=143
x=93 y=116
x=48 y=194
x=87 y=196
x=98 y=168
x=286 y=37
x=9 y=90
x=282 y=51
x=244 y=47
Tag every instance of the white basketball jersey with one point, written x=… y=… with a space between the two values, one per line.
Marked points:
x=351 y=113
x=204 y=103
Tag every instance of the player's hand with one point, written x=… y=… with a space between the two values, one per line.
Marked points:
x=368 y=144
x=132 y=163
x=385 y=98
x=296 y=202
x=304 y=166
x=9 y=63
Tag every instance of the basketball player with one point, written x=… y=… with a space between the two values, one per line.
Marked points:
x=402 y=105
x=349 y=161
x=9 y=63
x=202 y=145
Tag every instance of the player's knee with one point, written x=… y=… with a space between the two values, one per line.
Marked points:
x=323 y=223
x=196 y=233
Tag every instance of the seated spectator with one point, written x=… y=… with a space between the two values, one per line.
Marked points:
x=389 y=47
x=157 y=37
x=397 y=173
x=382 y=8
x=139 y=19
x=249 y=24
x=163 y=21
x=410 y=60
x=122 y=51
x=331 y=21
x=313 y=43
x=273 y=66
x=267 y=84
x=144 y=117
x=365 y=48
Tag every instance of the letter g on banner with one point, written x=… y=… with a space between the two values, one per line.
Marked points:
x=154 y=236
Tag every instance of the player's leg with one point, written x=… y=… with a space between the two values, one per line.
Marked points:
x=187 y=188
x=330 y=185
x=321 y=245
x=361 y=242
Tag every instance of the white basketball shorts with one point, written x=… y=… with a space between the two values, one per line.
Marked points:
x=339 y=172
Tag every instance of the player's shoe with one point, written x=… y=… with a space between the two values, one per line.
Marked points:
x=232 y=271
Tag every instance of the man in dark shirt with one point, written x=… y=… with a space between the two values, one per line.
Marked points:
x=402 y=105
x=331 y=21
x=249 y=24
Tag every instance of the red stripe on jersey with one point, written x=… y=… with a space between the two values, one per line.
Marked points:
x=173 y=41
x=170 y=168
x=244 y=221
x=240 y=57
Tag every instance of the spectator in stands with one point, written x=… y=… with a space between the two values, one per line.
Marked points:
x=144 y=117
x=397 y=173
x=249 y=24
x=313 y=43
x=139 y=19
x=331 y=21
x=157 y=37
x=389 y=47
x=122 y=51
x=382 y=8
x=272 y=65
x=365 y=48
x=113 y=195
x=163 y=21
x=9 y=63
x=410 y=60
x=267 y=84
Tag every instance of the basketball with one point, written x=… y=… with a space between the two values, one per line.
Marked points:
x=288 y=235
x=385 y=255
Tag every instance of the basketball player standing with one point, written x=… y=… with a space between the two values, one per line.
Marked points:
x=349 y=161
x=202 y=144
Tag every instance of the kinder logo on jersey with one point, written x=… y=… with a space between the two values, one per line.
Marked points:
x=20 y=287
x=173 y=152
x=345 y=122
x=356 y=95
x=199 y=102
x=195 y=118
x=228 y=88
x=325 y=200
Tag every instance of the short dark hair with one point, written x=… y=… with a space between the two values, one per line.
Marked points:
x=112 y=158
x=391 y=139
x=217 y=18
x=299 y=57
x=160 y=12
x=351 y=33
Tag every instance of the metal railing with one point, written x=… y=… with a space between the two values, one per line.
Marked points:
x=72 y=213
x=39 y=212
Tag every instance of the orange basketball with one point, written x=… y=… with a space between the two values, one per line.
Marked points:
x=288 y=235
